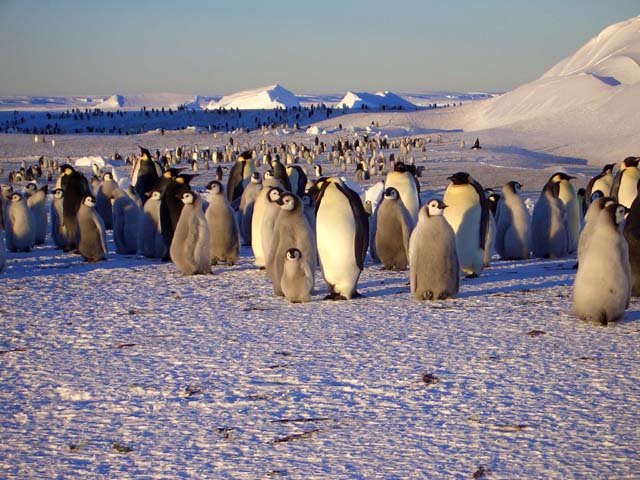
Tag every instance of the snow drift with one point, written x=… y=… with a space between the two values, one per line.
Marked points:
x=377 y=100
x=148 y=100
x=264 y=98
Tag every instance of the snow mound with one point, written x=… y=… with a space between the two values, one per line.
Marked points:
x=599 y=84
x=379 y=100
x=148 y=100
x=90 y=160
x=264 y=98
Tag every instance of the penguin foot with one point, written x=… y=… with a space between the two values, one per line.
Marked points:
x=428 y=295
x=357 y=295
x=443 y=295
x=575 y=266
x=472 y=275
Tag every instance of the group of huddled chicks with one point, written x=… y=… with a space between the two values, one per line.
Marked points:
x=294 y=224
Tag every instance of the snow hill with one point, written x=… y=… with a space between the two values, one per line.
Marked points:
x=148 y=100
x=377 y=100
x=264 y=98
x=595 y=89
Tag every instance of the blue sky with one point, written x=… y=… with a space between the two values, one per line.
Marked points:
x=217 y=47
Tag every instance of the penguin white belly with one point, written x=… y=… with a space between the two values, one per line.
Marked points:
x=628 y=187
x=603 y=184
x=464 y=215
x=574 y=215
x=256 y=229
x=408 y=193
x=336 y=234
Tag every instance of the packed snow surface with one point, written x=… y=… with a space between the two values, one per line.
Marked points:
x=374 y=100
x=265 y=98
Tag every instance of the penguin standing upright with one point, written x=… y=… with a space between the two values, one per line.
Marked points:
x=602 y=287
x=259 y=210
x=468 y=214
x=280 y=173
x=150 y=241
x=271 y=212
x=239 y=177
x=146 y=172
x=37 y=203
x=190 y=245
x=171 y=205
x=567 y=194
x=434 y=271
x=549 y=238
x=297 y=179
x=297 y=277
x=126 y=218
x=632 y=235
x=405 y=183
x=309 y=211
x=596 y=206
x=76 y=188
x=512 y=233
x=58 y=230
x=290 y=230
x=103 y=199
x=3 y=248
x=624 y=188
x=92 y=242
x=393 y=230
x=247 y=204
x=601 y=182
x=223 y=229
x=20 y=226
x=342 y=230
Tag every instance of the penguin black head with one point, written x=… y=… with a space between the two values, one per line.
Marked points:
x=617 y=213
x=106 y=176
x=145 y=154
x=608 y=168
x=493 y=201
x=307 y=200
x=294 y=254
x=58 y=193
x=255 y=177
x=31 y=187
x=289 y=202
x=188 y=198
x=460 y=178
x=560 y=176
x=273 y=194
x=596 y=195
x=215 y=187
x=581 y=192
x=268 y=174
x=435 y=207
x=514 y=186
x=246 y=155
x=629 y=162
x=155 y=195
x=66 y=169
x=16 y=197
x=172 y=172
x=185 y=178
x=399 y=167
x=391 y=194
x=89 y=201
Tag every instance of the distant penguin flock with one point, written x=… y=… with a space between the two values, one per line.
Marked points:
x=295 y=224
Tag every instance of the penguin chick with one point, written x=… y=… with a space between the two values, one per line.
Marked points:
x=297 y=278
x=190 y=244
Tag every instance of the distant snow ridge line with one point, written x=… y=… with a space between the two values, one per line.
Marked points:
x=379 y=100
x=149 y=100
x=263 y=98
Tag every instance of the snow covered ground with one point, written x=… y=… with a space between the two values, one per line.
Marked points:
x=127 y=368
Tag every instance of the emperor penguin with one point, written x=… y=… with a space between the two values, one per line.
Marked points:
x=240 y=176
x=3 y=248
x=309 y=210
x=290 y=230
x=342 y=230
x=434 y=271
x=20 y=226
x=280 y=173
x=407 y=187
x=171 y=205
x=602 y=287
x=512 y=218
x=624 y=189
x=126 y=218
x=37 y=203
x=549 y=237
x=267 y=195
x=601 y=182
x=567 y=193
x=297 y=278
x=150 y=241
x=468 y=214
x=146 y=172
x=92 y=242
x=596 y=206
x=103 y=199
x=297 y=179
x=223 y=229
x=271 y=212
x=76 y=188
x=190 y=246
x=632 y=235
x=58 y=230
x=393 y=230
x=247 y=205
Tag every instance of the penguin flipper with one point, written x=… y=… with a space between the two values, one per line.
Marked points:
x=362 y=224
x=615 y=187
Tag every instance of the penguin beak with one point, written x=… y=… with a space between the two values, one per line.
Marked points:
x=444 y=205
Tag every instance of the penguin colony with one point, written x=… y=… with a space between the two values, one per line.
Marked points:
x=295 y=224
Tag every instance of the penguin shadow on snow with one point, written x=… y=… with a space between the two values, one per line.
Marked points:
x=536 y=159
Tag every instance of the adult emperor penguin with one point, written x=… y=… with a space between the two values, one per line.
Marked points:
x=103 y=199
x=407 y=187
x=632 y=235
x=3 y=248
x=567 y=193
x=37 y=203
x=126 y=226
x=624 y=189
x=20 y=226
x=468 y=214
x=602 y=287
x=597 y=205
x=601 y=182
x=297 y=278
x=146 y=172
x=342 y=230
x=549 y=238
x=512 y=219
x=247 y=204
x=240 y=176
x=190 y=245
x=76 y=188
x=92 y=242
x=309 y=210
x=434 y=271
x=290 y=230
x=223 y=229
x=280 y=172
x=150 y=241
x=268 y=195
x=58 y=230
x=297 y=179
x=393 y=230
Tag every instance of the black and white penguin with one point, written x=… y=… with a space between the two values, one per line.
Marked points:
x=269 y=216
x=549 y=237
x=247 y=204
x=58 y=230
x=92 y=242
x=223 y=228
x=268 y=195
x=20 y=225
x=145 y=173
x=171 y=205
x=468 y=214
x=126 y=222
x=512 y=222
x=290 y=230
x=434 y=271
x=624 y=189
x=393 y=229
x=297 y=179
x=37 y=203
x=567 y=193
x=239 y=177
x=297 y=278
x=342 y=230
x=405 y=183
x=3 y=248
x=190 y=246
x=476 y=145
x=602 y=287
x=601 y=182
x=632 y=235
x=280 y=173
x=103 y=199
x=76 y=188
x=150 y=241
